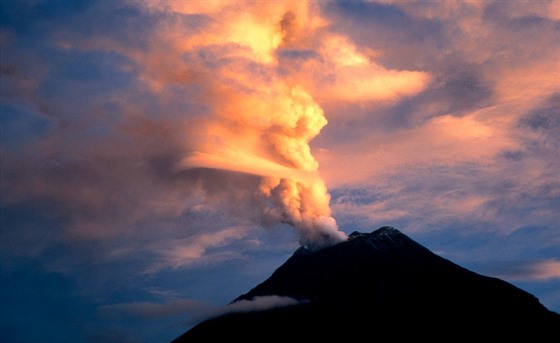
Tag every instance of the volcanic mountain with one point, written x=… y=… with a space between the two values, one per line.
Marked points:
x=378 y=286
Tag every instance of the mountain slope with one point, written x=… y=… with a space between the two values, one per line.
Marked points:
x=382 y=283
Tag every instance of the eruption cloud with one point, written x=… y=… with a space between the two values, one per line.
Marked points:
x=266 y=133
x=259 y=66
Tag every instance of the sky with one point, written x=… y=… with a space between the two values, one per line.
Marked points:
x=161 y=158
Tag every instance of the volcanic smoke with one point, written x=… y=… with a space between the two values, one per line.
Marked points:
x=266 y=132
x=258 y=68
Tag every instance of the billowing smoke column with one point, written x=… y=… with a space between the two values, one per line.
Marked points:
x=256 y=121
x=258 y=68
x=266 y=132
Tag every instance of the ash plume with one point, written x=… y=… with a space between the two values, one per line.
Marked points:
x=257 y=108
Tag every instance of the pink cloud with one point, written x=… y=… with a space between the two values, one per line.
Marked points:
x=535 y=270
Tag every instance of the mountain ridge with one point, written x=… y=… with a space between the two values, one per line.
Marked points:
x=381 y=279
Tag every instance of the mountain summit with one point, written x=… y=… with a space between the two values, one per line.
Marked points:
x=375 y=286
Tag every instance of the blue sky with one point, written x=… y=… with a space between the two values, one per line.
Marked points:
x=158 y=159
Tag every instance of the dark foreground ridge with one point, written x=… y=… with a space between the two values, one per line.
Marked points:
x=377 y=286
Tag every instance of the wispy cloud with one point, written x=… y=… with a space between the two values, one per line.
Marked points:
x=526 y=270
x=260 y=303
x=195 y=248
x=151 y=310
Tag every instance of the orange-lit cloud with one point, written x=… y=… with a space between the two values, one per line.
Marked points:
x=357 y=79
x=549 y=269
x=471 y=147
x=442 y=140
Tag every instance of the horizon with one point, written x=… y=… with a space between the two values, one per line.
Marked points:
x=158 y=159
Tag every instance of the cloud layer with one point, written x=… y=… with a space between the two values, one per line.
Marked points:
x=149 y=141
x=183 y=112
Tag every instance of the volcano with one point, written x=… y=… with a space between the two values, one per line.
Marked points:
x=378 y=286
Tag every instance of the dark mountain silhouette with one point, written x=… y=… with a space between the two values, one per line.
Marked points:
x=380 y=286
